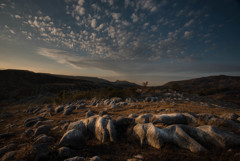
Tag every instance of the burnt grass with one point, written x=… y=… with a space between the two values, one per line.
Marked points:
x=125 y=148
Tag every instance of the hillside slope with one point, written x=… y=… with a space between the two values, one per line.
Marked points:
x=217 y=87
x=17 y=84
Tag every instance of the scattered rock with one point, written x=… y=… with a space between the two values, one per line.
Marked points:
x=101 y=113
x=65 y=152
x=32 y=121
x=134 y=159
x=43 y=139
x=59 y=109
x=43 y=122
x=139 y=156
x=143 y=118
x=229 y=116
x=73 y=138
x=44 y=129
x=81 y=106
x=69 y=110
x=95 y=158
x=114 y=106
x=6 y=148
x=122 y=121
x=42 y=151
x=133 y=116
x=29 y=132
x=77 y=158
x=89 y=114
x=56 y=128
x=102 y=128
x=187 y=137
x=78 y=125
x=9 y=156
x=123 y=103
x=174 y=118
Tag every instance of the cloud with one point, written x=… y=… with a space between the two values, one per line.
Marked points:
x=143 y=68
x=116 y=16
x=134 y=17
x=94 y=23
x=80 y=10
x=9 y=30
x=80 y=2
x=17 y=17
x=189 y=23
x=100 y=27
x=126 y=3
x=187 y=34
x=3 y=5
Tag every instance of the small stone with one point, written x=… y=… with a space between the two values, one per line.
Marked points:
x=64 y=152
x=77 y=158
x=73 y=138
x=44 y=129
x=89 y=114
x=95 y=158
x=9 y=156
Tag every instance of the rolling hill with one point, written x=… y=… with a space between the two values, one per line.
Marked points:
x=217 y=87
x=17 y=84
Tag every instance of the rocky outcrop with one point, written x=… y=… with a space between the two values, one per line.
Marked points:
x=192 y=138
x=32 y=121
x=65 y=152
x=174 y=118
x=76 y=158
x=73 y=138
x=6 y=148
x=102 y=128
x=44 y=129
x=59 y=109
x=9 y=156
x=95 y=158
x=77 y=125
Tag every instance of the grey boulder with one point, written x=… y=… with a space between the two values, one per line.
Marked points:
x=73 y=138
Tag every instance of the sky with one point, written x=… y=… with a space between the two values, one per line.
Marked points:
x=135 y=40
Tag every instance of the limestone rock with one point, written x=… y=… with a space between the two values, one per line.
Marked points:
x=229 y=116
x=102 y=128
x=43 y=139
x=95 y=158
x=73 y=138
x=44 y=129
x=59 y=109
x=174 y=118
x=77 y=158
x=89 y=114
x=6 y=148
x=9 y=156
x=187 y=137
x=32 y=121
x=65 y=152
x=143 y=118
x=77 y=125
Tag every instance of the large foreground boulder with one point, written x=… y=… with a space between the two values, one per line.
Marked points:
x=195 y=139
x=100 y=127
x=73 y=138
x=174 y=118
x=78 y=125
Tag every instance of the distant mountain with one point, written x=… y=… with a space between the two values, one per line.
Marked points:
x=217 y=87
x=17 y=84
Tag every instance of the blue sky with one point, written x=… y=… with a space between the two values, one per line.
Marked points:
x=135 y=40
